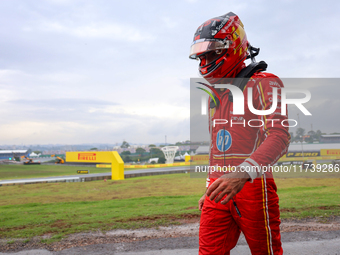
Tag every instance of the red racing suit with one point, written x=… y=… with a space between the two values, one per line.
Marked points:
x=254 y=142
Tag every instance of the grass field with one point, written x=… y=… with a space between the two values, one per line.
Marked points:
x=8 y=172
x=33 y=171
x=63 y=208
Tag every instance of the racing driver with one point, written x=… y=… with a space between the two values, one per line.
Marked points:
x=242 y=198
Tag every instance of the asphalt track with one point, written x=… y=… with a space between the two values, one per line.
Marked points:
x=299 y=243
x=80 y=177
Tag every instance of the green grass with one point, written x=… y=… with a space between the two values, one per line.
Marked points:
x=309 y=201
x=305 y=197
x=8 y=172
x=45 y=193
x=28 y=220
x=34 y=171
x=59 y=209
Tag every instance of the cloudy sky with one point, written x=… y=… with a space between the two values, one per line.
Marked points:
x=103 y=71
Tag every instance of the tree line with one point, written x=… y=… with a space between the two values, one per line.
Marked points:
x=142 y=154
x=309 y=137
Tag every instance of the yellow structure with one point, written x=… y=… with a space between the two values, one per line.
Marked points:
x=146 y=166
x=330 y=152
x=117 y=164
x=200 y=159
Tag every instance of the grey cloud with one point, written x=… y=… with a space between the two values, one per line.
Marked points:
x=62 y=102
x=297 y=38
x=323 y=106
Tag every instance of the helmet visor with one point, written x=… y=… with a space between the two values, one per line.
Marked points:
x=201 y=46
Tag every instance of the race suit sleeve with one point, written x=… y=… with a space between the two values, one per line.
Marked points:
x=274 y=134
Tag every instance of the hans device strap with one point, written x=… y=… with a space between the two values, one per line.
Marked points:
x=243 y=78
x=246 y=73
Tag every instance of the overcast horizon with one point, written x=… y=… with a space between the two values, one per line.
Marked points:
x=79 y=72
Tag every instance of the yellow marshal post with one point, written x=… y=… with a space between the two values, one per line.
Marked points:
x=117 y=164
